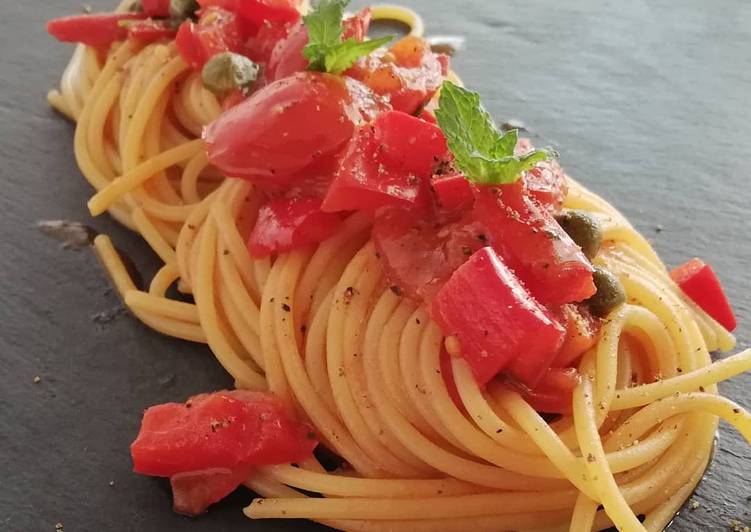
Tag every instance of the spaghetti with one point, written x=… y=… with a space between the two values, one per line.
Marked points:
x=362 y=363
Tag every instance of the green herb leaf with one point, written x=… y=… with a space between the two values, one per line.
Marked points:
x=325 y=50
x=483 y=152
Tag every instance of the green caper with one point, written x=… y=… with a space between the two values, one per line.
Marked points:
x=227 y=71
x=182 y=9
x=134 y=7
x=610 y=293
x=584 y=229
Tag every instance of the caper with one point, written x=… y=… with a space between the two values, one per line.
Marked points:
x=182 y=9
x=135 y=7
x=584 y=229
x=610 y=293
x=227 y=71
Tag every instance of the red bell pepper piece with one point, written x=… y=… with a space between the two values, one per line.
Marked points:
x=99 y=29
x=365 y=181
x=216 y=31
x=225 y=429
x=582 y=331
x=498 y=323
x=453 y=192
x=284 y=224
x=409 y=143
x=195 y=491
x=417 y=258
x=525 y=234
x=700 y=283
x=156 y=8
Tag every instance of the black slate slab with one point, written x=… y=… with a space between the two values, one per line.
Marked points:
x=648 y=103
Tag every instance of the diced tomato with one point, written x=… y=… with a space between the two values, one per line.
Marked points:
x=364 y=181
x=287 y=126
x=531 y=242
x=428 y=116
x=356 y=27
x=156 y=8
x=195 y=491
x=284 y=224
x=99 y=30
x=582 y=331
x=286 y=58
x=554 y=393
x=260 y=47
x=409 y=143
x=496 y=320
x=409 y=73
x=700 y=283
x=259 y=11
x=151 y=30
x=418 y=255
x=546 y=182
x=225 y=429
x=453 y=192
x=215 y=32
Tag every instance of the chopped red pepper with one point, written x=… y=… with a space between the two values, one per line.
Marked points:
x=700 y=283
x=453 y=193
x=99 y=29
x=531 y=242
x=226 y=429
x=156 y=8
x=498 y=323
x=216 y=31
x=195 y=491
x=419 y=256
x=409 y=143
x=284 y=224
x=364 y=181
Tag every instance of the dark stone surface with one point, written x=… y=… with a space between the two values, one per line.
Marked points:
x=646 y=101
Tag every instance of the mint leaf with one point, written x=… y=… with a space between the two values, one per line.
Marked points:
x=483 y=152
x=325 y=49
x=341 y=57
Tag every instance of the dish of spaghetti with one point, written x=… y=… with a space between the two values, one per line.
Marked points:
x=429 y=324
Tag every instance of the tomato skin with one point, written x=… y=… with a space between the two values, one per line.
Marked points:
x=216 y=31
x=225 y=429
x=150 y=31
x=261 y=139
x=453 y=193
x=156 y=8
x=98 y=30
x=284 y=224
x=409 y=143
x=409 y=74
x=497 y=322
x=193 y=492
x=700 y=283
x=531 y=242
